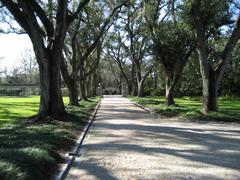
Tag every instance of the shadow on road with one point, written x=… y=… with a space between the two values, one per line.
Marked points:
x=120 y=129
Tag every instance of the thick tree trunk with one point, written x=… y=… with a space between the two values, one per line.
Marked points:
x=48 y=40
x=71 y=83
x=91 y=85
x=133 y=81
x=88 y=86
x=94 y=84
x=82 y=91
x=51 y=102
x=129 y=86
x=140 y=82
x=73 y=93
x=140 y=91
x=169 y=95
x=120 y=88
x=210 y=79
x=210 y=89
x=134 y=88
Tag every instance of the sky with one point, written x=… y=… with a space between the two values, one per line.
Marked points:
x=12 y=47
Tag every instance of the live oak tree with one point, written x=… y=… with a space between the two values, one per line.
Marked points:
x=208 y=18
x=115 y=51
x=47 y=36
x=116 y=74
x=136 y=45
x=111 y=75
x=91 y=71
x=173 y=51
x=171 y=41
x=85 y=37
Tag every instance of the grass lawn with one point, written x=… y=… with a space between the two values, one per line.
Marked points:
x=15 y=109
x=32 y=150
x=190 y=108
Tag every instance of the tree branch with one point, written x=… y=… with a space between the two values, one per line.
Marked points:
x=235 y=36
x=17 y=13
x=102 y=31
x=44 y=19
x=74 y=16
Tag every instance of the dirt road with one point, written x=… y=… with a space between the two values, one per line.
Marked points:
x=125 y=142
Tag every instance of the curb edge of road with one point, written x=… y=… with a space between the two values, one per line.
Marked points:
x=70 y=157
x=143 y=107
x=146 y=109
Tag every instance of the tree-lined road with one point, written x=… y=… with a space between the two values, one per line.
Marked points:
x=125 y=142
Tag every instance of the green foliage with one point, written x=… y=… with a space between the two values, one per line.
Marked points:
x=217 y=20
x=32 y=150
x=173 y=43
x=230 y=84
x=191 y=82
x=171 y=36
x=157 y=92
x=213 y=13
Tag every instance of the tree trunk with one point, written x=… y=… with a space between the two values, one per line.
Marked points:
x=88 y=86
x=169 y=96
x=73 y=93
x=211 y=75
x=82 y=90
x=94 y=84
x=140 y=90
x=51 y=102
x=210 y=89
x=71 y=83
x=89 y=89
x=120 y=88
x=48 y=41
x=133 y=81
x=134 y=88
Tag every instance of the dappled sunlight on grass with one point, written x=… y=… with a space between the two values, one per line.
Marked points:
x=190 y=108
x=32 y=150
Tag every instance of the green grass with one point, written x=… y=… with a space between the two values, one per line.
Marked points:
x=32 y=150
x=190 y=108
x=15 y=109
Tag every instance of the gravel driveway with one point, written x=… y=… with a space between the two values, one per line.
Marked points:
x=125 y=142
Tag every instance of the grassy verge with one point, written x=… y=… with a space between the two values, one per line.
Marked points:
x=32 y=150
x=190 y=108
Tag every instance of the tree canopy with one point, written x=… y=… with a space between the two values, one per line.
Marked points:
x=163 y=47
